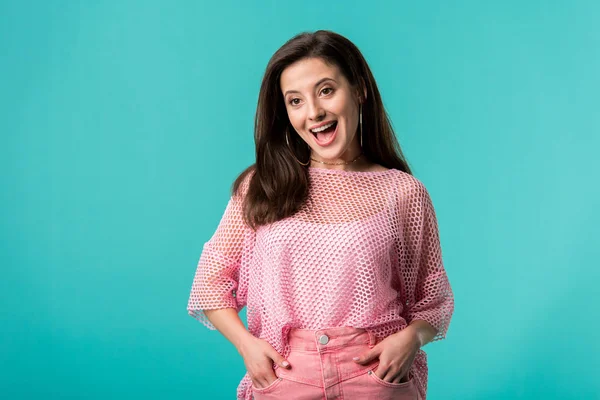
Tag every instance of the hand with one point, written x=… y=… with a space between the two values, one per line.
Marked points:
x=258 y=357
x=396 y=354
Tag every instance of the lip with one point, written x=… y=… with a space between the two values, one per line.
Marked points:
x=321 y=124
x=333 y=136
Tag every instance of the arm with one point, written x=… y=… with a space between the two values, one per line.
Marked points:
x=429 y=300
x=217 y=274
x=228 y=323
x=423 y=331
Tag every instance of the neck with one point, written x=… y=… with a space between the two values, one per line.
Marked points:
x=344 y=163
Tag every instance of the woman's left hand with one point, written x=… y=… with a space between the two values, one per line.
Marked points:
x=396 y=354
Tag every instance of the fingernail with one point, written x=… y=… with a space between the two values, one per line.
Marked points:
x=285 y=363
x=356 y=358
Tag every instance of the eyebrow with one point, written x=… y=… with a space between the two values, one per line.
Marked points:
x=316 y=84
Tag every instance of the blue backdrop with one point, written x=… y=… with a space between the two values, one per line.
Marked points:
x=124 y=123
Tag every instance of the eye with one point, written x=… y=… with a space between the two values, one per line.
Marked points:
x=292 y=101
x=327 y=88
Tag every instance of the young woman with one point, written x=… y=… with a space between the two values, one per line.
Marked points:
x=328 y=240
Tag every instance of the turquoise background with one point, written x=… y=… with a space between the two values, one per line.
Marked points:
x=124 y=123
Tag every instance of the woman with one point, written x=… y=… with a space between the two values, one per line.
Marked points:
x=328 y=240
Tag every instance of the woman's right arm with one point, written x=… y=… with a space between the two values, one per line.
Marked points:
x=258 y=354
x=213 y=299
x=228 y=323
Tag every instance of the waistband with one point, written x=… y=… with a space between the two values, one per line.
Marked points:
x=317 y=340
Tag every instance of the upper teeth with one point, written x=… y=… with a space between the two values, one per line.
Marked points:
x=322 y=128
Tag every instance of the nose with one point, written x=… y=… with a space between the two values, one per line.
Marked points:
x=315 y=112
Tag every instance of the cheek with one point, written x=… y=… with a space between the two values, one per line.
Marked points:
x=351 y=115
x=341 y=103
x=350 y=110
x=296 y=120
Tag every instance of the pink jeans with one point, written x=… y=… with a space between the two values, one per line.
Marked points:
x=322 y=369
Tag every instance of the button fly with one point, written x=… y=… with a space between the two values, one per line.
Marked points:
x=323 y=339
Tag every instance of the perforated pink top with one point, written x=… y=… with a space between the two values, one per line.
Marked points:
x=364 y=251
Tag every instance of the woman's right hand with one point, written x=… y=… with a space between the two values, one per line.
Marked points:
x=258 y=357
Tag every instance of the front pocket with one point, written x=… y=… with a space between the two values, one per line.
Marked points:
x=380 y=381
x=267 y=388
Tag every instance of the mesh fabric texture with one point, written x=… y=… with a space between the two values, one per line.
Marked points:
x=364 y=251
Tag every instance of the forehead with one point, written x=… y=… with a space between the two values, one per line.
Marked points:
x=303 y=74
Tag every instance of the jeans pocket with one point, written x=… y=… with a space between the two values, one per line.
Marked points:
x=269 y=388
x=406 y=381
x=367 y=385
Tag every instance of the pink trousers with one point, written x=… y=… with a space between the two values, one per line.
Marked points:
x=322 y=369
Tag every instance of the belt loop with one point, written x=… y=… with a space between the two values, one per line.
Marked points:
x=372 y=338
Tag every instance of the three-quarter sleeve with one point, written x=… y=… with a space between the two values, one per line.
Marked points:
x=427 y=292
x=216 y=278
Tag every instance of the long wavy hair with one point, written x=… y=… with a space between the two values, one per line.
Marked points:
x=278 y=185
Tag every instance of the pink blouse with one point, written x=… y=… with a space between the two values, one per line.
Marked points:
x=364 y=251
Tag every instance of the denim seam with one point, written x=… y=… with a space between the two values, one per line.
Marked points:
x=355 y=374
x=339 y=376
x=298 y=380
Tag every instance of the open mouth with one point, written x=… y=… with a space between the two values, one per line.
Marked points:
x=325 y=136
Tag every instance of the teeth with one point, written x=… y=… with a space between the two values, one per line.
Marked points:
x=322 y=128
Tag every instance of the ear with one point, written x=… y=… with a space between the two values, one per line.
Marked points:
x=362 y=97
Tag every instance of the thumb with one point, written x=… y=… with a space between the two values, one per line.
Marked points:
x=279 y=360
x=366 y=357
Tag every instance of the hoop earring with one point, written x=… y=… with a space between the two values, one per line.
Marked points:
x=288 y=143
x=361 y=129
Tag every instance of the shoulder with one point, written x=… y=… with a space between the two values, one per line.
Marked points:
x=407 y=181
x=408 y=187
x=376 y=168
x=242 y=182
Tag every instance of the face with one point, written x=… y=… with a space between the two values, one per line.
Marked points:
x=316 y=94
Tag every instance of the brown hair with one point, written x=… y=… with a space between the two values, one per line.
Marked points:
x=279 y=185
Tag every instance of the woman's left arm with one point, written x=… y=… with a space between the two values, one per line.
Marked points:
x=429 y=301
x=422 y=330
x=426 y=293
